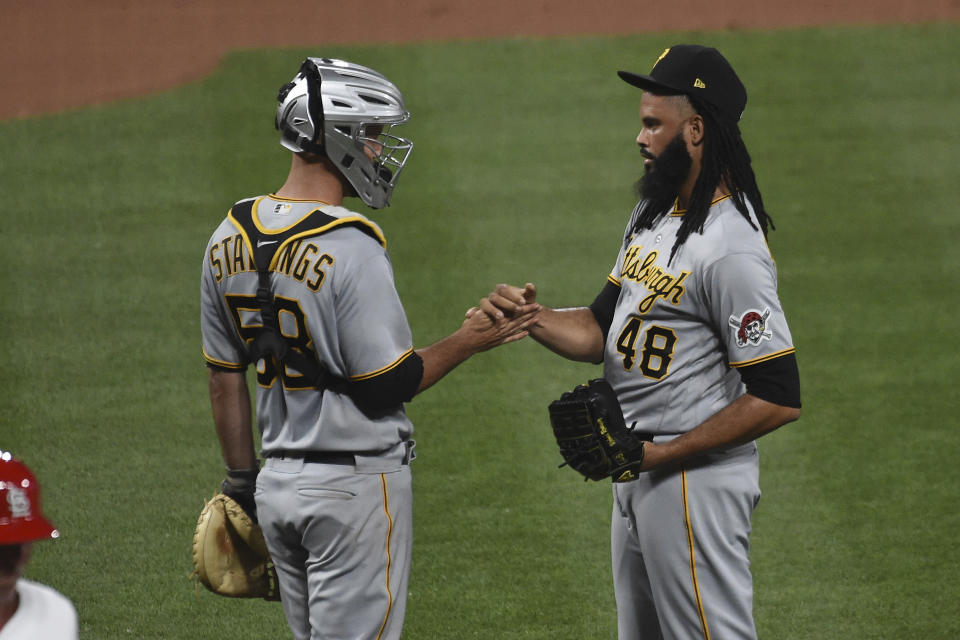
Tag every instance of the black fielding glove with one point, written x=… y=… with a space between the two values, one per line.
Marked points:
x=240 y=485
x=593 y=438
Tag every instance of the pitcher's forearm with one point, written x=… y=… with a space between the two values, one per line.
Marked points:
x=572 y=333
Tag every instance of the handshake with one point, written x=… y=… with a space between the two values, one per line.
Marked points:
x=506 y=315
x=511 y=313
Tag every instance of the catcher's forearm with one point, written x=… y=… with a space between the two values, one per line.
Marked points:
x=745 y=419
x=477 y=333
x=572 y=333
x=441 y=358
x=232 y=417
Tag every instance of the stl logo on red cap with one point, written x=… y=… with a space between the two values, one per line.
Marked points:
x=19 y=503
x=20 y=517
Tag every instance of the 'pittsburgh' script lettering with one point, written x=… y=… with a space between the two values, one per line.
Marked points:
x=660 y=283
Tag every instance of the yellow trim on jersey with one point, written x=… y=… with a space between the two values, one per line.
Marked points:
x=614 y=281
x=693 y=560
x=386 y=510
x=311 y=232
x=221 y=363
x=392 y=365
x=282 y=199
x=333 y=225
x=679 y=212
x=243 y=233
x=255 y=216
x=769 y=356
x=676 y=212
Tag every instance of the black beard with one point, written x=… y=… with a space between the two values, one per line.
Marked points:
x=661 y=183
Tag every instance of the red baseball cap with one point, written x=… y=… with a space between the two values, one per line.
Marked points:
x=21 y=519
x=695 y=71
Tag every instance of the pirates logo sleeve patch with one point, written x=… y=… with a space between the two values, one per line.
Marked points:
x=751 y=328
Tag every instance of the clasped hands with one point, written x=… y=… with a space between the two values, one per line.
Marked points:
x=506 y=315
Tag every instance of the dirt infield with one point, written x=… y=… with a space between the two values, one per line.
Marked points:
x=59 y=54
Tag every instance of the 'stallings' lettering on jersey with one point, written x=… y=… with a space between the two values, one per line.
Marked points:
x=661 y=284
x=299 y=259
x=228 y=257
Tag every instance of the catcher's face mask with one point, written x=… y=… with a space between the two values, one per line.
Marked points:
x=346 y=112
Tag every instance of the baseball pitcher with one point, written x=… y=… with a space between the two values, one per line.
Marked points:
x=695 y=344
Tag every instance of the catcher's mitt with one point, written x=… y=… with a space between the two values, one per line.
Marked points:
x=592 y=435
x=230 y=556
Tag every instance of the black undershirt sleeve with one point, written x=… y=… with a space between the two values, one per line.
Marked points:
x=389 y=389
x=604 y=305
x=776 y=381
x=379 y=393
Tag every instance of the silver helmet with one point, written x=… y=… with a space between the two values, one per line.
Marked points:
x=355 y=107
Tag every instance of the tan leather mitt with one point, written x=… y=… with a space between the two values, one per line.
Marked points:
x=230 y=556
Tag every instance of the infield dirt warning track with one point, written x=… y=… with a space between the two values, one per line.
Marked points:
x=59 y=54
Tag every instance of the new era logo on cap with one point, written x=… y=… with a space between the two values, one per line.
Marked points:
x=696 y=71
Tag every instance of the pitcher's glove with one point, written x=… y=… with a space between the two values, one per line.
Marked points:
x=230 y=556
x=592 y=435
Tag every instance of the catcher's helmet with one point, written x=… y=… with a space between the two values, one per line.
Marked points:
x=20 y=517
x=354 y=108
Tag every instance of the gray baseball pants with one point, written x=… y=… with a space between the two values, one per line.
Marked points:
x=680 y=549
x=341 y=539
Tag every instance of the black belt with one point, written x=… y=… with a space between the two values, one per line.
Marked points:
x=322 y=457
x=334 y=457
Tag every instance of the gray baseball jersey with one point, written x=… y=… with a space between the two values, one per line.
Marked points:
x=680 y=330
x=336 y=296
x=340 y=534
x=680 y=536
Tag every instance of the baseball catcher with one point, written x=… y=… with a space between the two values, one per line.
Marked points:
x=592 y=435
x=230 y=556
x=314 y=310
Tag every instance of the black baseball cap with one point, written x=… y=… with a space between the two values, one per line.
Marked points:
x=698 y=72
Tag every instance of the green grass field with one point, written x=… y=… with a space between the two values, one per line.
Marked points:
x=522 y=171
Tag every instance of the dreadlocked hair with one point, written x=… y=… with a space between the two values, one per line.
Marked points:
x=725 y=160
